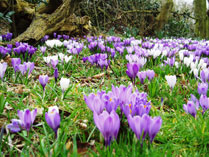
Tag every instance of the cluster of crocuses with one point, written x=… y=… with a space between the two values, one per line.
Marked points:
x=26 y=67
x=133 y=67
x=27 y=118
x=54 y=60
x=59 y=36
x=5 y=50
x=73 y=47
x=24 y=49
x=53 y=43
x=99 y=59
x=135 y=107
x=6 y=37
x=193 y=104
x=133 y=71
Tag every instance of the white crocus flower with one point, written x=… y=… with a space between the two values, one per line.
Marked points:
x=69 y=47
x=192 y=65
x=61 y=56
x=195 y=72
x=53 y=43
x=156 y=53
x=191 y=58
x=136 y=42
x=55 y=57
x=181 y=56
x=204 y=65
x=64 y=83
x=67 y=59
x=47 y=59
x=171 y=80
x=164 y=53
x=187 y=61
x=177 y=64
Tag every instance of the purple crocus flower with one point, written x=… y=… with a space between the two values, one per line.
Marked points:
x=9 y=46
x=103 y=63
x=15 y=125
x=43 y=49
x=43 y=79
x=150 y=74
x=26 y=119
x=56 y=74
x=55 y=34
x=122 y=95
x=170 y=61
x=65 y=37
x=3 y=67
x=29 y=67
x=154 y=127
x=135 y=124
x=190 y=108
x=145 y=123
x=204 y=75
x=202 y=88
x=15 y=62
x=110 y=102
x=94 y=102
x=130 y=49
x=204 y=102
x=54 y=62
x=53 y=118
x=132 y=70
x=22 y=68
x=142 y=76
x=45 y=38
x=108 y=125
x=195 y=100
x=17 y=51
x=59 y=36
x=137 y=105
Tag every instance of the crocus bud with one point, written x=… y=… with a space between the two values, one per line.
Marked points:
x=3 y=67
x=202 y=88
x=54 y=62
x=22 y=68
x=43 y=49
x=56 y=74
x=53 y=118
x=64 y=83
x=15 y=62
x=142 y=76
x=108 y=125
x=154 y=127
x=171 y=80
x=150 y=74
x=43 y=79
x=132 y=70
x=190 y=108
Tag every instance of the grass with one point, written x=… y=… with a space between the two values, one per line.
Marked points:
x=180 y=134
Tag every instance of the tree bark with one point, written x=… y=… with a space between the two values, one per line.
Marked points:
x=43 y=24
x=201 y=16
x=57 y=16
x=164 y=14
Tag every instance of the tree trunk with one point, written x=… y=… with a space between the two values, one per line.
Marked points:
x=49 y=18
x=201 y=16
x=164 y=14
